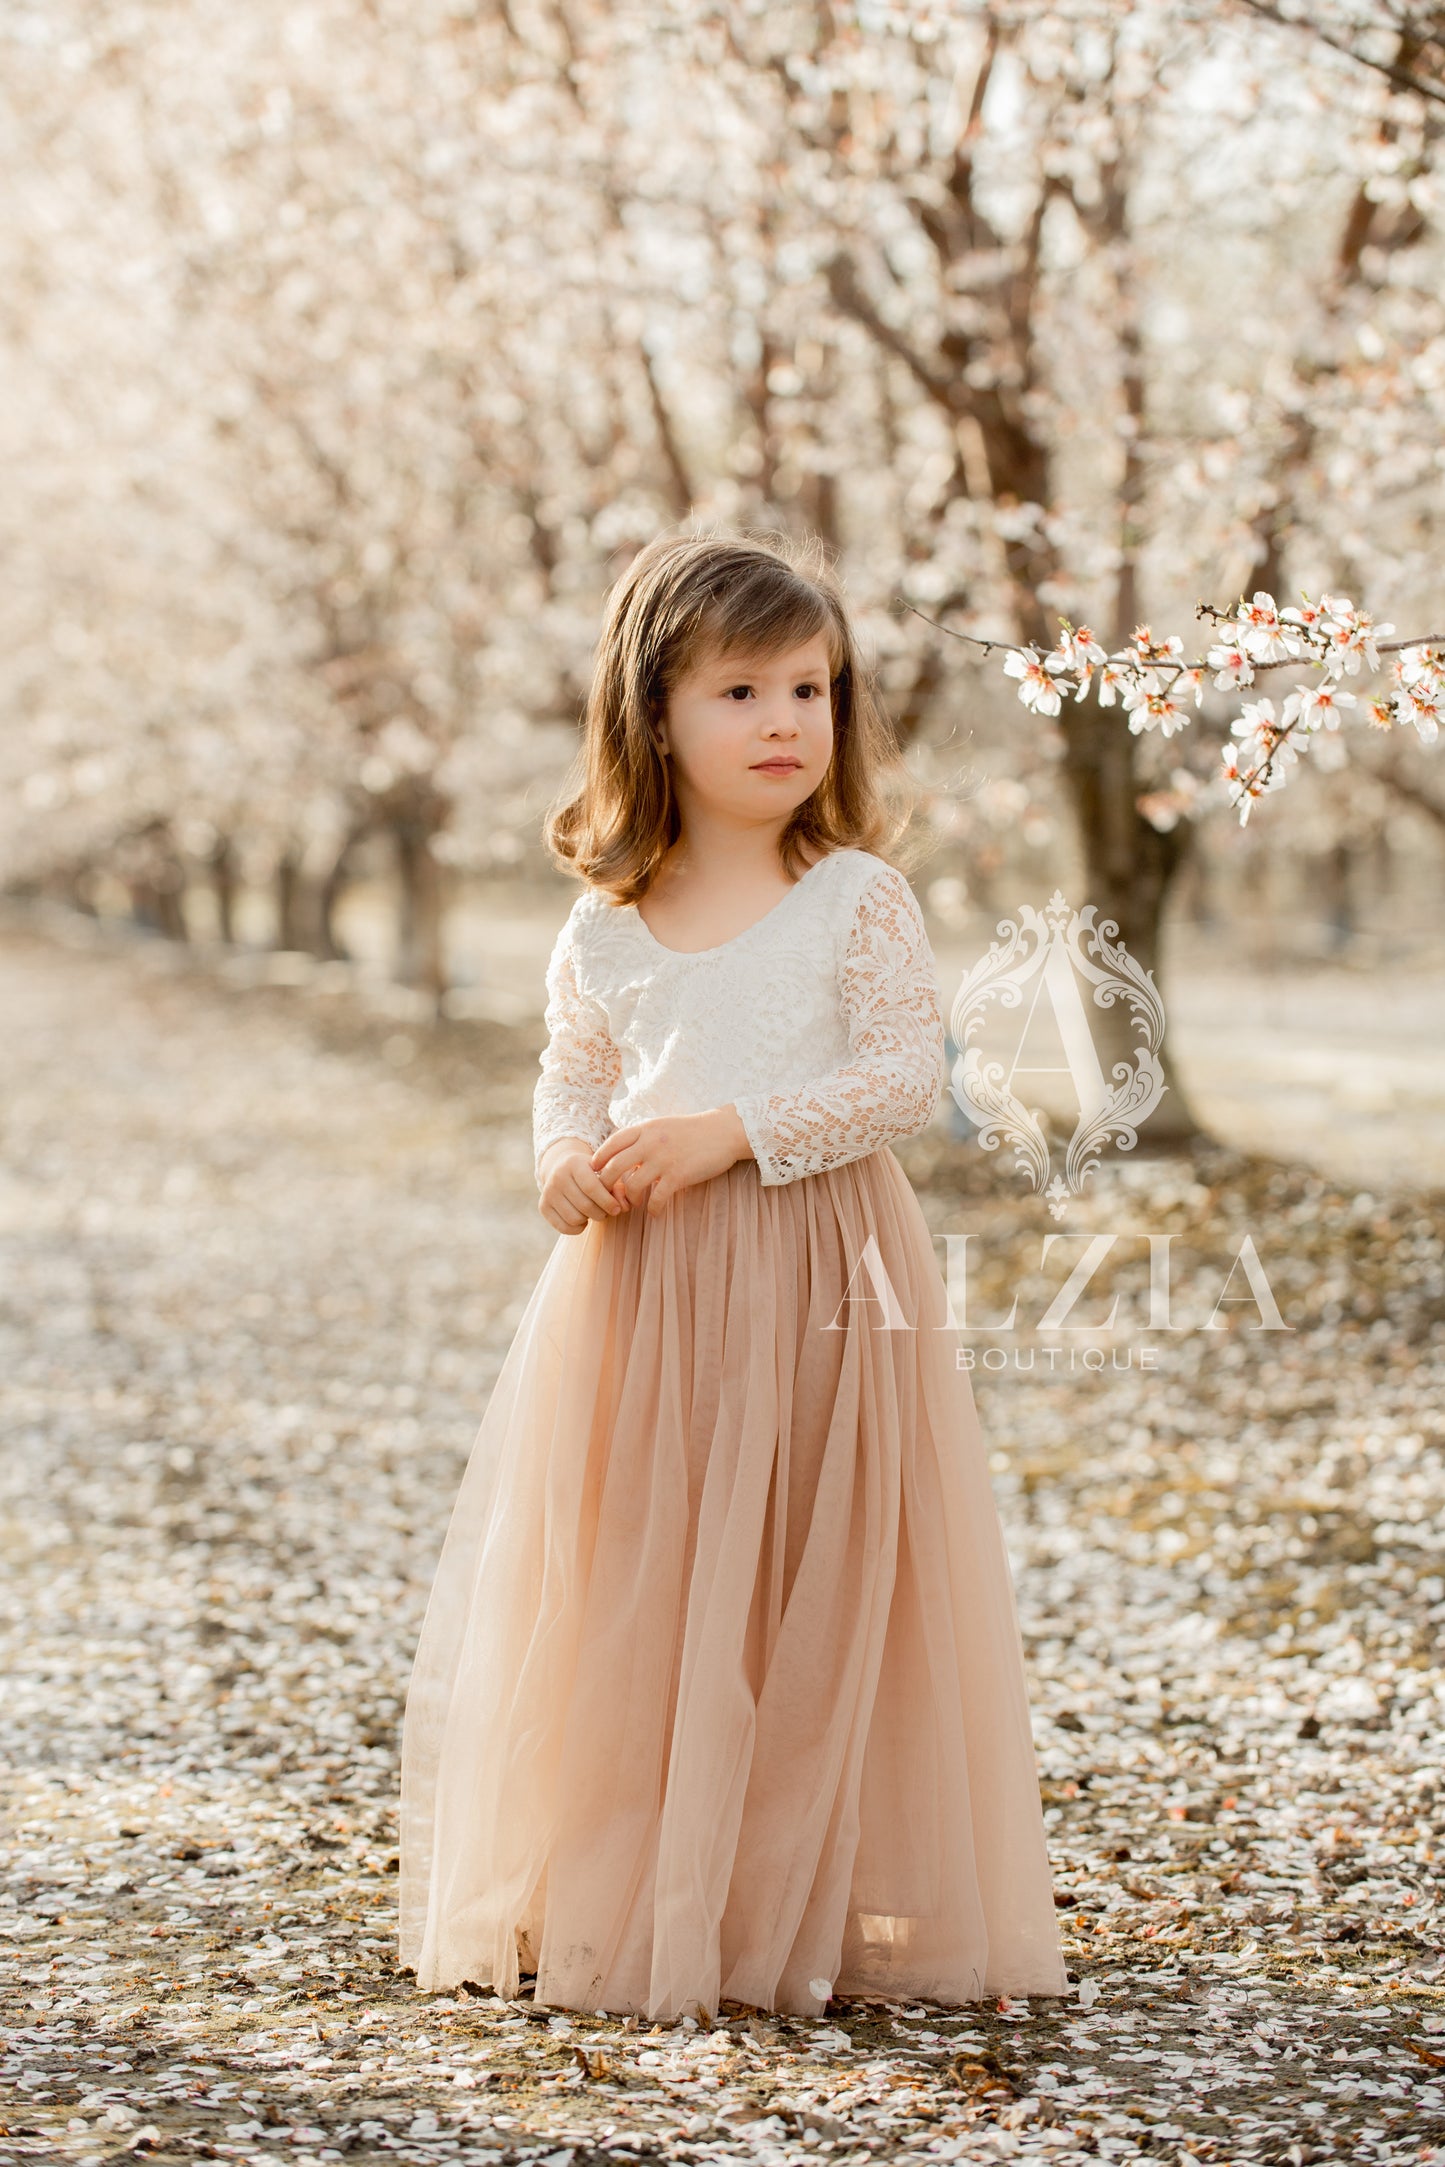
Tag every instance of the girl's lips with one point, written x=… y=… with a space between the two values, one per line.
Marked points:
x=776 y=767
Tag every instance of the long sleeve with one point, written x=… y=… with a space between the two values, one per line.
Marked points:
x=890 y=1085
x=581 y=1063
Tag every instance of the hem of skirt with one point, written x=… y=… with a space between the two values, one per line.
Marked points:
x=1022 y=1985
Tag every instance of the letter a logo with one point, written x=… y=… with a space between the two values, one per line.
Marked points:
x=880 y=1290
x=1046 y=959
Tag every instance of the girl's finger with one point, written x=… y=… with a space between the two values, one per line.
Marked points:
x=581 y=1198
x=597 y=1189
x=622 y=1161
x=619 y=1182
x=611 y=1144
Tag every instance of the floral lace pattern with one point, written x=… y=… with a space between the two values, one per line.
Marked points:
x=821 y=1022
x=581 y=1063
x=889 y=1087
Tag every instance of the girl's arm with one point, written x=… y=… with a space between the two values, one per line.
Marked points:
x=889 y=1086
x=581 y=1064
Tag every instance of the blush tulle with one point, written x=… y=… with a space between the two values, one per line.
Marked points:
x=719 y=1694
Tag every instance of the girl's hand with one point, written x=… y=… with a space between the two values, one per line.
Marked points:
x=571 y=1192
x=658 y=1158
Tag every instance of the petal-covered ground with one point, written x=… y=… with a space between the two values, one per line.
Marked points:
x=264 y=1250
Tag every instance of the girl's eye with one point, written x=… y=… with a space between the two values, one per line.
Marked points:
x=815 y=690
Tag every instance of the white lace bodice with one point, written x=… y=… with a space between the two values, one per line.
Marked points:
x=822 y=1022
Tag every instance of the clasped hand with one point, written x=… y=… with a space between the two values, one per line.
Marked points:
x=649 y=1162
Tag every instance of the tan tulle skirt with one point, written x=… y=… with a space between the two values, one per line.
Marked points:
x=719 y=1694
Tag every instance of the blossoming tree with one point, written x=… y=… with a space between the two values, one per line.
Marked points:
x=353 y=350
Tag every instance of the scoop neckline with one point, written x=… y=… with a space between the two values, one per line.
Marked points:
x=685 y=954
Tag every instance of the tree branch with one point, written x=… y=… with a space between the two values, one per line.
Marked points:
x=1283 y=662
x=1410 y=792
x=848 y=296
x=1400 y=77
x=682 y=492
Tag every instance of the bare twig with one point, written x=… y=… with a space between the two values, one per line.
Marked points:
x=1400 y=77
x=1283 y=662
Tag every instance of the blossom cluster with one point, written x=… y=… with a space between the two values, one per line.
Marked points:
x=1154 y=684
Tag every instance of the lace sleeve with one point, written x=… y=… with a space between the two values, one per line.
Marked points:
x=581 y=1063
x=890 y=1086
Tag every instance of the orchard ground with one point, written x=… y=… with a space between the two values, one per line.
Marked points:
x=266 y=1246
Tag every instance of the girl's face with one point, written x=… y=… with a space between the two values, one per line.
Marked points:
x=750 y=739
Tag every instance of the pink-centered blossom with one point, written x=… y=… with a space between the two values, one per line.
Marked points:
x=1260 y=631
x=1419 y=677
x=1151 y=707
x=1265 y=737
x=1351 y=634
x=1314 y=707
x=1078 y=656
x=1248 y=779
x=1111 y=676
x=1420 y=705
x=1310 y=617
x=1231 y=665
x=1077 y=649
x=1037 y=689
x=1419 y=665
x=1146 y=648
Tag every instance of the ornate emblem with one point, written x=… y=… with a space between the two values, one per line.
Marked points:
x=1047 y=951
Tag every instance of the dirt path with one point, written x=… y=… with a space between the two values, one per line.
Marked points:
x=261 y=1262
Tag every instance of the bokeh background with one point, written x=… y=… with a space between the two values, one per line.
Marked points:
x=350 y=348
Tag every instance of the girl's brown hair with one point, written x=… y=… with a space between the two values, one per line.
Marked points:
x=684 y=598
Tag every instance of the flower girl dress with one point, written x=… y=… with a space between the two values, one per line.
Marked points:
x=719 y=1694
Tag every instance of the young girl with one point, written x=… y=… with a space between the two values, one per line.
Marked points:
x=719 y=1695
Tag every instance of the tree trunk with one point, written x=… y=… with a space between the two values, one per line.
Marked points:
x=156 y=879
x=155 y=908
x=222 y=868
x=288 y=889
x=1338 y=895
x=1195 y=876
x=1129 y=865
x=819 y=505
x=328 y=896
x=306 y=905
x=420 y=960
x=78 y=888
